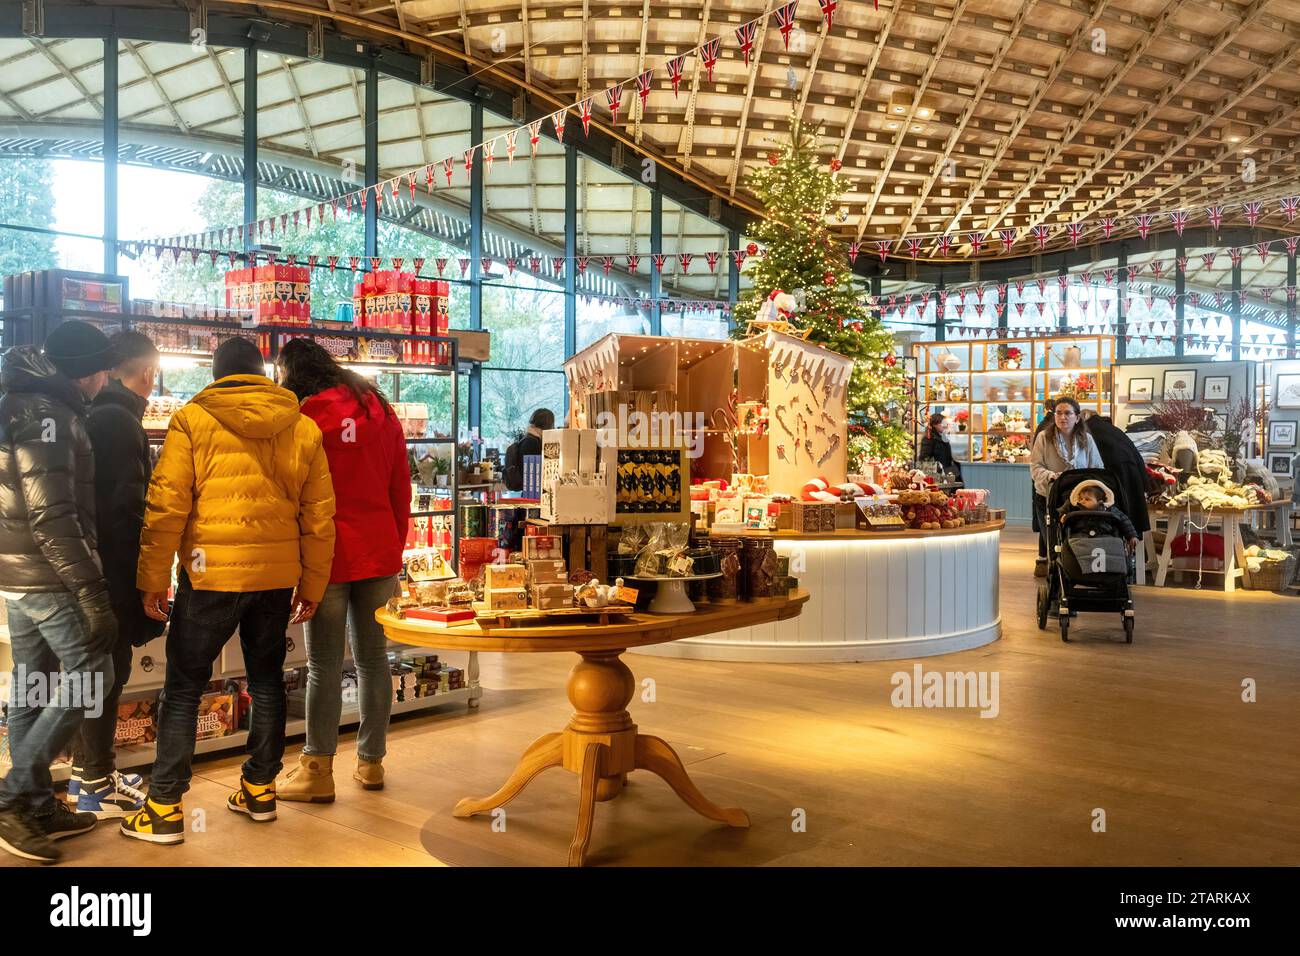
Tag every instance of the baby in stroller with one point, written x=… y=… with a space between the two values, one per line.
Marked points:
x=1093 y=496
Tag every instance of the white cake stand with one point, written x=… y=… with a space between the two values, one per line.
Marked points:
x=670 y=598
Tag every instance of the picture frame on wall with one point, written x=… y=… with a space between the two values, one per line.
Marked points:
x=1282 y=434
x=1279 y=464
x=1140 y=389
x=1216 y=388
x=1180 y=383
x=1288 y=391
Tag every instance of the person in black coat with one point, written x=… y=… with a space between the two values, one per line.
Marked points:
x=1125 y=462
x=530 y=443
x=935 y=445
x=122 y=469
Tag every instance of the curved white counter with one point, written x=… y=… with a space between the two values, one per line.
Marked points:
x=874 y=596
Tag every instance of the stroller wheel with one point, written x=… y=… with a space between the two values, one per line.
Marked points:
x=1044 y=603
x=1128 y=630
x=1065 y=629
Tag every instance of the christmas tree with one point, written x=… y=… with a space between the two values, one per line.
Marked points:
x=803 y=259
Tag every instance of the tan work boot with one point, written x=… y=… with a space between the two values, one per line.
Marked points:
x=370 y=774
x=312 y=781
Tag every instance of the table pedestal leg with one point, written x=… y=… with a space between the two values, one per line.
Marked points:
x=601 y=745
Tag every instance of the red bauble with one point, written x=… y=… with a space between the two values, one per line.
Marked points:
x=828 y=278
x=891 y=360
x=836 y=165
x=773 y=159
x=752 y=248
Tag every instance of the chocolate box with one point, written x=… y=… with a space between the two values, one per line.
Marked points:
x=137 y=723
x=498 y=576
x=547 y=572
x=505 y=599
x=812 y=517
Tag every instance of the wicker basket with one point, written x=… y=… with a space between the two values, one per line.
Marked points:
x=1272 y=575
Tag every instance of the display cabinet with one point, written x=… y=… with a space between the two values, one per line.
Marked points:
x=993 y=391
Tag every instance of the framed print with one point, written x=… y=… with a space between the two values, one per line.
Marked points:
x=1216 y=388
x=1180 y=383
x=1140 y=389
x=1288 y=391
x=1279 y=464
x=1281 y=434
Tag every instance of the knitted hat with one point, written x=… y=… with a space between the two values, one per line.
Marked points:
x=1107 y=496
x=78 y=349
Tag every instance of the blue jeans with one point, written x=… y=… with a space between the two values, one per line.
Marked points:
x=325 y=636
x=47 y=635
x=202 y=623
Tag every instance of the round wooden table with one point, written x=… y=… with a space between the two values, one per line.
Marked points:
x=600 y=744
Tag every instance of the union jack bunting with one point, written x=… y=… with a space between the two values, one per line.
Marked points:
x=1251 y=210
x=558 y=119
x=375 y=263
x=1182 y=264
x=1290 y=293
x=379 y=202
x=441 y=264
x=1267 y=292
x=1290 y=244
x=738 y=257
x=632 y=263
x=1235 y=255
x=1063 y=281
x=488 y=147
x=709 y=56
x=535 y=263
x=1086 y=277
x=557 y=264
x=1262 y=249
x=397 y=263
x=712 y=259
x=979 y=309
x=511 y=137
x=464 y=266
x=883 y=247
x=447 y=165
x=606 y=263
x=1020 y=310
x=1008 y=237
x=1207 y=259
x=614 y=99
x=675 y=67
x=486 y=263
x=1157 y=267
x=914 y=247
x=643 y=84
x=1144 y=224
x=1075 y=232
x=1042 y=286
x=745 y=36
x=510 y=265
x=828 y=10
x=1220 y=299
x=976 y=240
x=1041 y=235
x=785 y=20
x=1108 y=226
x=1108 y=275
x=1020 y=287
x=1290 y=206
x=659 y=258
x=585 y=115
x=945 y=244
x=853 y=252
x=1194 y=299
x=469 y=159
x=428 y=179
x=1241 y=296
x=684 y=260
x=1179 y=218
x=395 y=182
x=1215 y=214
x=334 y=262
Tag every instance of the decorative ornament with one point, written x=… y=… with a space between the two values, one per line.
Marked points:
x=752 y=248
x=773 y=158
x=836 y=165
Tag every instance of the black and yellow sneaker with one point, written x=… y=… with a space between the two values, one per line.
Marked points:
x=255 y=799
x=156 y=823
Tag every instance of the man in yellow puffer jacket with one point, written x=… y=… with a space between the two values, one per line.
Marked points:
x=241 y=495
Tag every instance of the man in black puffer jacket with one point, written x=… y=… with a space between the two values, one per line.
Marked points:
x=122 y=467
x=59 y=612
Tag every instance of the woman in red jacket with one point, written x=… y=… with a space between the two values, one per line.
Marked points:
x=372 y=492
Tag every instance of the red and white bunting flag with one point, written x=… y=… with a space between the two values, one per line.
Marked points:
x=1194 y=299
x=1220 y=298
x=828 y=10
x=1179 y=219
x=976 y=240
x=1108 y=275
x=914 y=247
x=511 y=138
x=738 y=257
x=447 y=165
x=658 y=259
x=354 y=262
x=1290 y=293
x=441 y=264
x=1062 y=282
x=1207 y=259
x=379 y=199
x=1086 y=277
x=464 y=266
x=1107 y=226
x=582 y=263
x=632 y=263
x=1157 y=267
x=854 y=247
x=1215 y=215
x=614 y=100
x=712 y=259
x=745 y=37
x=486 y=264
x=469 y=159
x=557 y=121
x=488 y=147
x=1042 y=286
x=1075 y=231
x=397 y=263
x=584 y=113
x=606 y=263
x=684 y=259
x=1252 y=210
x=1235 y=255
x=1008 y=237
x=376 y=263
x=1041 y=235
x=418 y=264
x=709 y=53
x=1261 y=249
x=883 y=248
x=1020 y=309
x=535 y=263
x=534 y=135
x=675 y=67
x=1290 y=206
x=1266 y=292
x=1144 y=224
x=557 y=265
x=785 y=19
x=945 y=244
x=1182 y=265
x=510 y=265
x=644 y=83
x=1291 y=244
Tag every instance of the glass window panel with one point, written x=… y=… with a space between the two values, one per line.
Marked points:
x=510 y=398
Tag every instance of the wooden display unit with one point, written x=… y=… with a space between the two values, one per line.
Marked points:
x=972 y=377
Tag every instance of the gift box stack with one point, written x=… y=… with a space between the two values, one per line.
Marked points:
x=508 y=523
x=271 y=294
x=399 y=302
x=474 y=553
x=504 y=587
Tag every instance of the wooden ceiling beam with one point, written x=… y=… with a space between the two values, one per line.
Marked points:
x=868 y=72
x=685 y=149
x=637 y=103
x=756 y=58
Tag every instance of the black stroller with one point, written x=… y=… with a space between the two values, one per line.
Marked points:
x=1088 y=567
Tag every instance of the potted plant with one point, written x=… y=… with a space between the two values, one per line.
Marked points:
x=962 y=418
x=1009 y=357
x=442 y=470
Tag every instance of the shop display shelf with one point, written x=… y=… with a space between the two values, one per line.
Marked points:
x=430 y=441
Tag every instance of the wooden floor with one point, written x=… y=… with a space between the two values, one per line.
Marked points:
x=1155 y=734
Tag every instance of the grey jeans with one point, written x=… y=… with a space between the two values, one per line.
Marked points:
x=57 y=679
x=353 y=602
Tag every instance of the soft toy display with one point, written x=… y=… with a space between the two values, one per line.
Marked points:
x=818 y=489
x=779 y=306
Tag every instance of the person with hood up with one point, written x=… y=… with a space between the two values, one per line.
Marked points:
x=366 y=448
x=61 y=625
x=242 y=496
